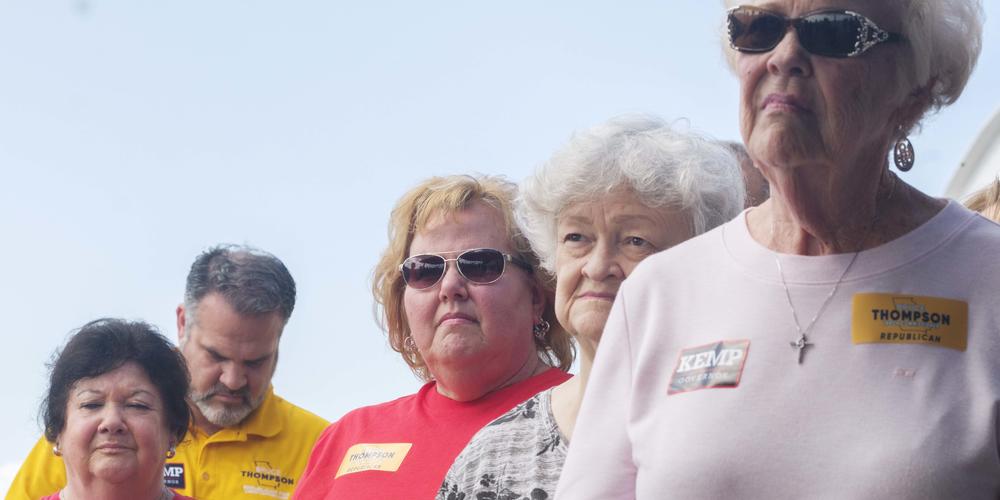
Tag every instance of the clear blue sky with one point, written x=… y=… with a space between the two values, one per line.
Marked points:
x=135 y=134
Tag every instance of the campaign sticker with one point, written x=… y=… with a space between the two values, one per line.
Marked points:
x=373 y=456
x=885 y=318
x=712 y=366
x=173 y=476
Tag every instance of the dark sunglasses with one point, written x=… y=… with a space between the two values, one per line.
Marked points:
x=829 y=33
x=479 y=265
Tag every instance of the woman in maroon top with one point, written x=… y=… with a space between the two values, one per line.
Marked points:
x=115 y=410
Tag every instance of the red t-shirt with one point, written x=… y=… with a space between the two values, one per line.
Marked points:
x=403 y=448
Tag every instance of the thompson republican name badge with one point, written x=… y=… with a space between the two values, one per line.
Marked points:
x=386 y=457
x=885 y=318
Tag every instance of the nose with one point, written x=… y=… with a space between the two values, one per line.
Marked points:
x=453 y=285
x=111 y=420
x=233 y=376
x=602 y=263
x=788 y=58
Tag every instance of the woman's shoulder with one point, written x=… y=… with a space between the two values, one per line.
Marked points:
x=531 y=417
x=378 y=412
x=527 y=412
x=962 y=234
x=361 y=418
x=520 y=450
x=979 y=225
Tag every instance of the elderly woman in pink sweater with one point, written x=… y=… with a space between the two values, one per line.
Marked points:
x=840 y=340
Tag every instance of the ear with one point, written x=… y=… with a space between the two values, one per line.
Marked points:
x=913 y=107
x=181 y=331
x=539 y=298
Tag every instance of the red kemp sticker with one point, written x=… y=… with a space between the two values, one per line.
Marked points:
x=711 y=366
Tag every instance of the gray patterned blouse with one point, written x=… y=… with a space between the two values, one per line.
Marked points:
x=518 y=456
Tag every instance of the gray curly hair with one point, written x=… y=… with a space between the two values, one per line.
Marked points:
x=663 y=166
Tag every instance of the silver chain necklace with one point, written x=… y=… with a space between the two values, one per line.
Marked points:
x=803 y=340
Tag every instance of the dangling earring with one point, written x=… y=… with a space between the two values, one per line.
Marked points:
x=409 y=344
x=902 y=154
x=55 y=450
x=540 y=329
x=172 y=452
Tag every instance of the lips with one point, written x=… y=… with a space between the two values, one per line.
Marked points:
x=224 y=395
x=230 y=398
x=784 y=101
x=597 y=295
x=113 y=447
x=456 y=317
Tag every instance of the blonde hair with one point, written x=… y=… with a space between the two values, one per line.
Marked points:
x=986 y=201
x=444 y=196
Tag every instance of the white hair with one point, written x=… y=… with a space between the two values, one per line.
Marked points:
x=945 y=38
x=662 y=166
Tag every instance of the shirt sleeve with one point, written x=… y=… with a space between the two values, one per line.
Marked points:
x=599 y=464
x=317 y=478
x=41 y=474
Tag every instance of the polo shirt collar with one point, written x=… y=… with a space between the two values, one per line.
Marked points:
x=267 y=420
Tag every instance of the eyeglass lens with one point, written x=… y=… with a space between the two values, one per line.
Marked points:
x=825 y=33
x=828 y=34
x=484 y=265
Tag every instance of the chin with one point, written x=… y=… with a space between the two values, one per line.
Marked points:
x=459 y=352
x=590 y=327
x=115 y=472
x=781 y=148
x=222 y=415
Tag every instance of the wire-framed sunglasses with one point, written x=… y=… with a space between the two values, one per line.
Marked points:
x=828 y=33
x=478 y=265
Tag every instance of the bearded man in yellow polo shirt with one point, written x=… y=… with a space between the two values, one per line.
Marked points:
x=245 y=441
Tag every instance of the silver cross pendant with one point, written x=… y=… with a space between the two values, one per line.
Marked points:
x=801 y=345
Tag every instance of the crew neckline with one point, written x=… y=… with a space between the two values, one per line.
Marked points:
x=755 y=259
x=434 y=401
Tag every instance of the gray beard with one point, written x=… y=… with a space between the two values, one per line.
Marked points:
x=223 y=415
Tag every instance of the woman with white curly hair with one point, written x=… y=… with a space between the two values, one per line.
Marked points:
x=616 y=194
x=850 y=321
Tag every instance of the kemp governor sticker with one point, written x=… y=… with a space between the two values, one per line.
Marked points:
x=717 y=365
x=884 y=318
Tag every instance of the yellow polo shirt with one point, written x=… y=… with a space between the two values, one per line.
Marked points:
x=262 y=457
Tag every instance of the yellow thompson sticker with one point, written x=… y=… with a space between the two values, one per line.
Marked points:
x=373 y=456
x=885 y=318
